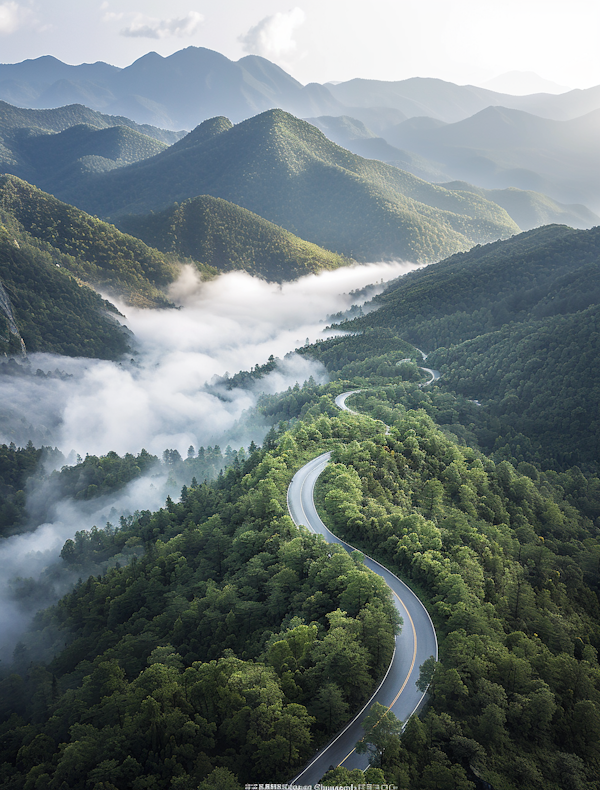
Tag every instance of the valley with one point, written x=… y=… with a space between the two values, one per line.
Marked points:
x=215 y=573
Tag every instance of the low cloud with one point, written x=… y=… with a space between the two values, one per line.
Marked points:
x=143 y=26
x=13 y=17
x=163 y=399
x=273 y=36
x=27 y=560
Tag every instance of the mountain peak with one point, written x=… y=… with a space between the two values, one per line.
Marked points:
x=523 y=83
x=204 y=132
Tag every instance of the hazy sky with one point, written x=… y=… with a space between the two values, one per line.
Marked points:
x=320 y=40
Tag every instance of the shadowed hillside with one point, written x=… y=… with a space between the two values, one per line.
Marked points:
x=288 y=172
x=92 y=250
x=228 y=237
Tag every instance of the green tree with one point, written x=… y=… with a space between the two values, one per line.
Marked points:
x=382 y=730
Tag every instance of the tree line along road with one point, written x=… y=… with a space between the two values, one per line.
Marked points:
x=414 y=645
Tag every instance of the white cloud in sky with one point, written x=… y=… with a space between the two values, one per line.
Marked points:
x=13 y=16
x=143 y=26
x=273 y=36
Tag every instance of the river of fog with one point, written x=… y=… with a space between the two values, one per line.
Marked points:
x=159 y=400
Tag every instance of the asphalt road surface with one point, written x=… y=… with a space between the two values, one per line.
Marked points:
x=414 y=645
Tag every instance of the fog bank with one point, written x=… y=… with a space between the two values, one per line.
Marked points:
x=159 y=400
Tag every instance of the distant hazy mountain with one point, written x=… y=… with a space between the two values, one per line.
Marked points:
x=354 y=135
x=529 y=209
x=500 y=147
x=229 y=238
x=194 y=84
x=288 y=172
x=417 y=96
x=445 y=101
x=57 y=120
x=523 y=83
x=532 y=209
x=175 y=92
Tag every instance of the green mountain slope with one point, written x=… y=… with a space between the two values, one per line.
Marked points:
x=228 y=237
x=533 y=209
x=93 y=251
x=49 y=309
x=61 y=118
x=538 y=376
x=514 y=326
x=288 y=172
x=54 y=160
x=483 y=289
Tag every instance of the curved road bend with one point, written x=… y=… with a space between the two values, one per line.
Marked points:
x=414 y=645
x=435 y=374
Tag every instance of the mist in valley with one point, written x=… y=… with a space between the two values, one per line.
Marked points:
x=162 y=397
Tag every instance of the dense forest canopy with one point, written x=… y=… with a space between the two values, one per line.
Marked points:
x=213 y=642
x=288 y=172
x=512 y=326
x=229 y=238
x=94 y=251
x=227 y=594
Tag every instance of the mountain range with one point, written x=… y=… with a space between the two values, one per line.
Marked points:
x=176 y=92
x=186 y=88
x=288 y=172
x=499 y=147
x=441 y=161
x=434 y=129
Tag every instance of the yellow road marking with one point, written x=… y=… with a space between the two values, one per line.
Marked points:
x=414 y=657
x=412 y=665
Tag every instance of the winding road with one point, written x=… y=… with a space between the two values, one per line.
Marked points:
x=435 y=374
x=414 y=645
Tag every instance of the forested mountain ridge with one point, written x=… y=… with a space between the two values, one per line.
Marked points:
x=306 y=631
x=57 y=161
x=506 y=279
x=61 y=118
x=229 y=238
x=287 y=171
x=92 y=250
x=52 y=310
x=513 y=326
